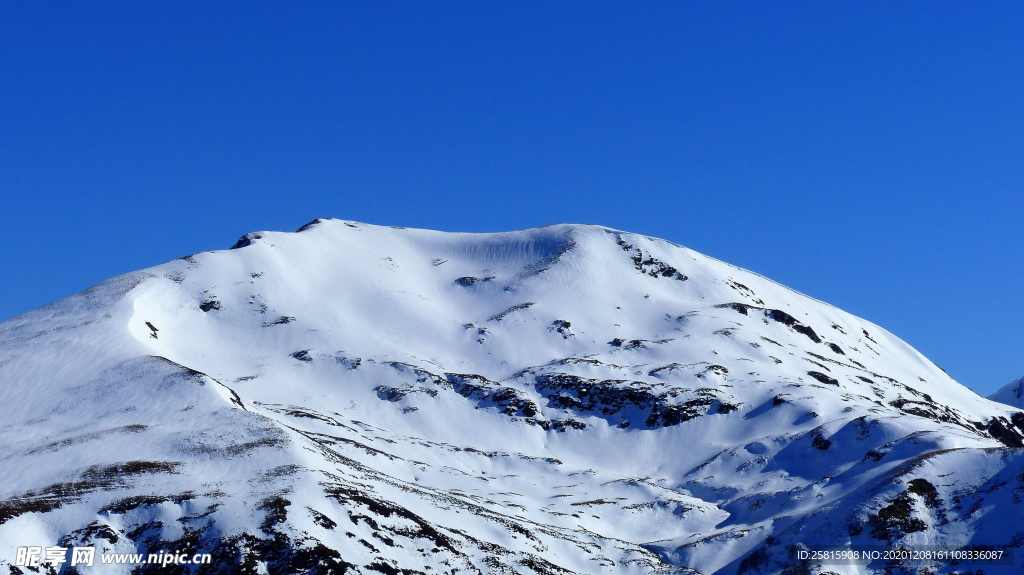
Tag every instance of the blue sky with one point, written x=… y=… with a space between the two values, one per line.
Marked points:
x=867 y=154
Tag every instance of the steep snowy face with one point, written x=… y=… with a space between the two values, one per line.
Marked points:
x=1011 y=394
x=569 y=399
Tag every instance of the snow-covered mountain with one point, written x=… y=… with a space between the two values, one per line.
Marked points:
x=568 y=399
x=1011 y=394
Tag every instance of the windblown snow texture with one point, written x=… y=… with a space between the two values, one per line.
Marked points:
x=569 y=399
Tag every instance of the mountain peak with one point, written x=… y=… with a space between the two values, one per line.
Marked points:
x=570 y=398
x=1011 y=394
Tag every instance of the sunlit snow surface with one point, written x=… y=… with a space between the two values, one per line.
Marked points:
x=569 y=399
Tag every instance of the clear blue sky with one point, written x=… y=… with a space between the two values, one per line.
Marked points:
x=868 y=154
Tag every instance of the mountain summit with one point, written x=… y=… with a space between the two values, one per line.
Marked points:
x=568 y=399
x=1011 y=394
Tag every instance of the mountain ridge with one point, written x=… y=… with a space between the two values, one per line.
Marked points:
x=1011 y=394
x=357 y=398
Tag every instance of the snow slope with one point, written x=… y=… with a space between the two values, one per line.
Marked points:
x=1011 y=394
x=568 y=399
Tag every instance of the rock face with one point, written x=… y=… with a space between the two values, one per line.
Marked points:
x=568 y=399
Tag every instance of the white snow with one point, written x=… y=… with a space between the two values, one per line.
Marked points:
x=1011 y=394
x=562 y=398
